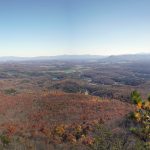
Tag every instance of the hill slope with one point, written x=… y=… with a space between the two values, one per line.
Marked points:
x=46 y=116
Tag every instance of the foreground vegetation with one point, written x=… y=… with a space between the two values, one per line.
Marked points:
x=141 y=118
x=57 y=120
x=134 y=131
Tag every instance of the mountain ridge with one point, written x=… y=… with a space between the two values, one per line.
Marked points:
x=111 y=58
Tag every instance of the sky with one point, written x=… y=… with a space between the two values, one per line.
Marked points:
x=74 y=27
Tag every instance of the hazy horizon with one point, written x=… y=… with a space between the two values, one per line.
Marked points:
x=103 y=55
x=31 y=28
x=125 y=54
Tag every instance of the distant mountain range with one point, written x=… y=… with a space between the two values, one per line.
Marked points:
x=59 y=57
x=112 y=58
x=128 y=58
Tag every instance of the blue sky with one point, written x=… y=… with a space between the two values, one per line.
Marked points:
x=55 y=27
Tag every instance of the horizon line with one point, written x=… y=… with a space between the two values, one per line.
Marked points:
x=103 y=55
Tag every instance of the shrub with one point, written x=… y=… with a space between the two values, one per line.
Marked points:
x=4 y=139
x=10 y=91
x=105 y=139
x=141 y=118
